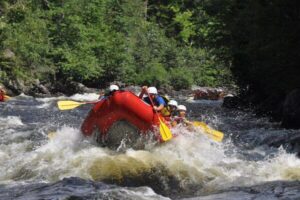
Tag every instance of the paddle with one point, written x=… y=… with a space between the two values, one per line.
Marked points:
x=67 y=105
x=214 y=134
x=164 y=130
x=6 y=97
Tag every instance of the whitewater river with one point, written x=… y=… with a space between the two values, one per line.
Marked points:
x=191 y=166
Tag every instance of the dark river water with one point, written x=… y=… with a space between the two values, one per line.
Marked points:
x=190 y=166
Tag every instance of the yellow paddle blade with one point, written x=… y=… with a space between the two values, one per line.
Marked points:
x=67 y=105
x=214 y=134
x=164 y=131
x=6 y=97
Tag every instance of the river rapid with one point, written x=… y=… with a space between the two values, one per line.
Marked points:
x=190 y=166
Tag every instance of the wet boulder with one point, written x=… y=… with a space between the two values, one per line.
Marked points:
x=269 y=190
x=71 y=87
x=16 y=87
x=289 y=140
x=209 y=93
x=291 y=110
x=231 y=101
x=39 y=90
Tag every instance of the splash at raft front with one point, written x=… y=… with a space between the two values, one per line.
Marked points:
x=121 y=119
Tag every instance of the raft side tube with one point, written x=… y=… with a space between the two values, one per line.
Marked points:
x=121 y=105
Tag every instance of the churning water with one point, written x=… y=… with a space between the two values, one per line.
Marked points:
x=68 y=166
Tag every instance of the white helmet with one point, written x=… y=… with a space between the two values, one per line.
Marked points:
x=113 y=87
x=173 y=103
x=152 y=90
x=181 y=107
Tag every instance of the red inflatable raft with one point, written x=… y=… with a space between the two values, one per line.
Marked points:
x=120 y=119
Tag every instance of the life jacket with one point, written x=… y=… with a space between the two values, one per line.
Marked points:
x=166 y=99
x=166 y=110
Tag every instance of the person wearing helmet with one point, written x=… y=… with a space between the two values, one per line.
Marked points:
x=108 y=92
x=152 y=93
x=169 y=111
x=113 y=88
x=181 y=118
x=2 y=95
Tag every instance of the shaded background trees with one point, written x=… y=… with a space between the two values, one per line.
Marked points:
x=265 y=51
x=252 y=43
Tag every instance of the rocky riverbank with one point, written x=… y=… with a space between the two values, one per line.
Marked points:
x=40 y=89
x=286 y=109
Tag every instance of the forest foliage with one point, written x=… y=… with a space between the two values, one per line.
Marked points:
x=253 y=43
x=99 y=41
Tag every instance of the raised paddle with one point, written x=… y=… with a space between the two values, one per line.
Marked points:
x=68 y=105
x=214 y=134
x=164 y=130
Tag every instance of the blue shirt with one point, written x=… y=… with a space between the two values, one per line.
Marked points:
x=158 y=100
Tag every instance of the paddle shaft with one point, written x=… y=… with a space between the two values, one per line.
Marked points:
x=69 y=104
x=152 y=103
x=164 y=127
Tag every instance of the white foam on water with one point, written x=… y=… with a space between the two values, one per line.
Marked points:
x=22 y=95
x=141 y=193
x=13 y=159
x=191 y=157
x=85 y=97
x=64 y=138
x=10 y=121
x=44 y=105
x=204 y=102
x=76 y=97
x=284 y=166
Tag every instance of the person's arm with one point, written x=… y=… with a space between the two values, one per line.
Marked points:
x=175 y=120
x=144 y=89
x=161 y=104
x=187 y=122
x=159 y=108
